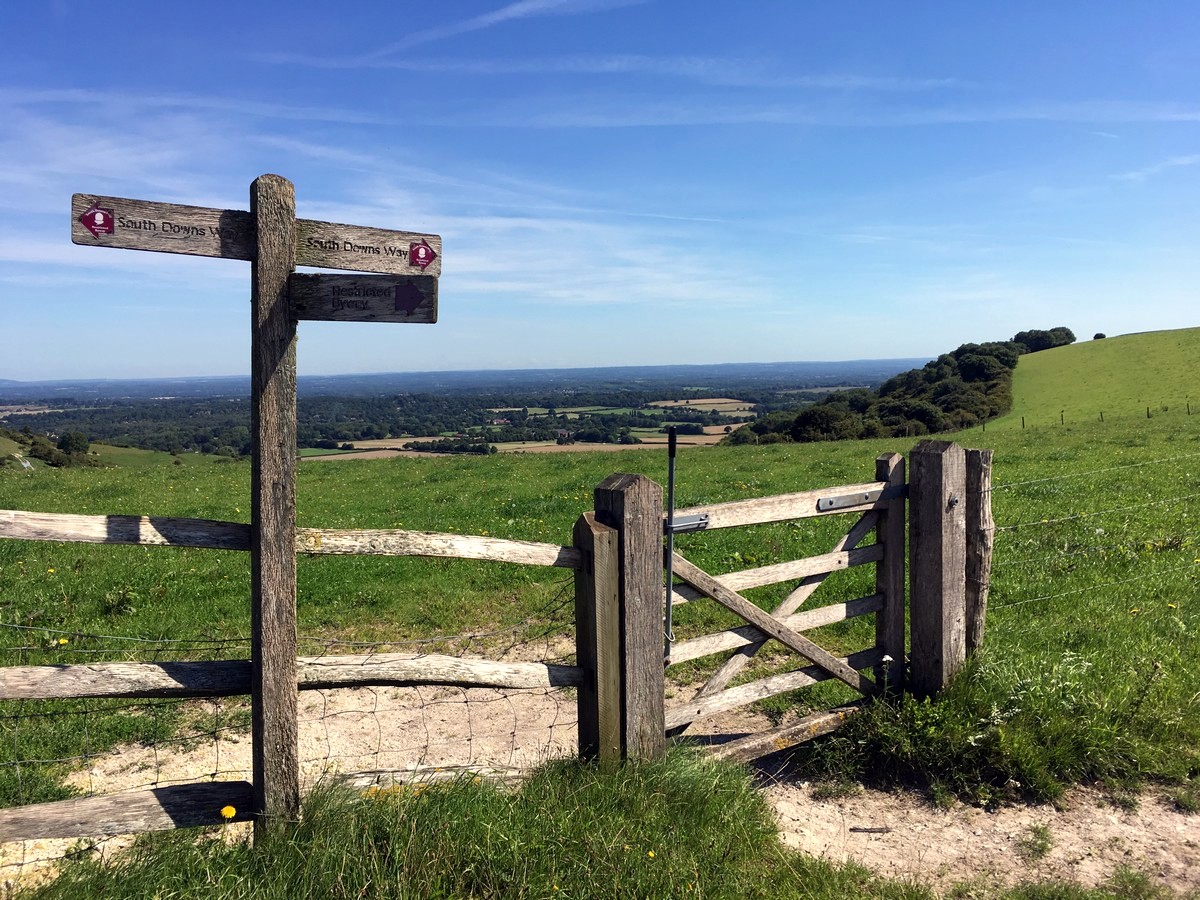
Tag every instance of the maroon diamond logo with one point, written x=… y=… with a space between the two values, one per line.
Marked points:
x=421 y=254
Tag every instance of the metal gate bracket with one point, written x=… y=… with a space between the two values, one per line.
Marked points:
x=685 y=524
x=849 y=501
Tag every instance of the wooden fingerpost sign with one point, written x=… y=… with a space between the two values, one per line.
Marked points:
x=275 y=242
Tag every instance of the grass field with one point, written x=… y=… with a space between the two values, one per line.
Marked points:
x=1091 y=669
x=1117 y=376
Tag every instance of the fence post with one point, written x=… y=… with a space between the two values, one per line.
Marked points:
x=598 y=640
x=275 y=736
x=633 y=505
x=981 y=535
x=889 y=575
x=937 y=570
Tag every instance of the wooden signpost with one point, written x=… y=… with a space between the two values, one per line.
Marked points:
x=199 y=231
x=275 y=241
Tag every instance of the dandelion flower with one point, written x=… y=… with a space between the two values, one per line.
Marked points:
x=62 y=642
x=50 y=571
x=650 y=853
x=228 y=812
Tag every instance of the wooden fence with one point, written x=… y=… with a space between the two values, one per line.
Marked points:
x=617 y=558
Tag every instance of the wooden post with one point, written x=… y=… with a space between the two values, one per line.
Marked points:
x=889 y=575
x=598 y=640
x=981 y=533
x=937 y=566
x=633 y=505
x=273 y=505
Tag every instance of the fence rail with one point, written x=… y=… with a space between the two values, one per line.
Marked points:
x=231 y=678
x=214 y=535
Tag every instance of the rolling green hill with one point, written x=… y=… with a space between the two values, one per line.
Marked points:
x=1117 y=376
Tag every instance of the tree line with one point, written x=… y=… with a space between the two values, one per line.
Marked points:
x=965 y=387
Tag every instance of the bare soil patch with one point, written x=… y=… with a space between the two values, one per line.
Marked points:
x=900 y=835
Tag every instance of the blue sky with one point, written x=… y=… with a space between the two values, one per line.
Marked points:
x=616 y=182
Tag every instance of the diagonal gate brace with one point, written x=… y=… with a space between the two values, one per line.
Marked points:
x=769 y=625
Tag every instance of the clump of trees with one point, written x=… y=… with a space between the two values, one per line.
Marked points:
x=71 y=448
x=453 y=445
x=957 y=390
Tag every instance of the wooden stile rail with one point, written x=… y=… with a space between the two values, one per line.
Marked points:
x=157 y=531
x=230 y=678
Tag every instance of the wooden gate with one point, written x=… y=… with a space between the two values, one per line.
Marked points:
x=878 y=509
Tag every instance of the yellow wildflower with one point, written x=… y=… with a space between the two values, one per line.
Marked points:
x=650 y=853
x=228 y=812
x=62 y=642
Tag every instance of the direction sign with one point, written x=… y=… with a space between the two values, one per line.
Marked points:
x=364 y=298
x=202 y=231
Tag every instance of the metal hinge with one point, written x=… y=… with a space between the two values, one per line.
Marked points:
x=849 y=501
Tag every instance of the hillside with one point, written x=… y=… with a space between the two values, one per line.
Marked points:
x=1117 y=376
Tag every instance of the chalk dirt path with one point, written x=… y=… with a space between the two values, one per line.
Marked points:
x=896 y=834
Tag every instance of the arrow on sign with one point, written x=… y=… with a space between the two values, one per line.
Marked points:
x=408 y=298
x=98 y=220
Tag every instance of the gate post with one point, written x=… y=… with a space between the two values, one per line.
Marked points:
x=633 y=506
x=598 y=640
x=273 y=506
x=937 y=571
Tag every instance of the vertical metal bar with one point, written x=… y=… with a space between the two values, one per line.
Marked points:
x=668 y=631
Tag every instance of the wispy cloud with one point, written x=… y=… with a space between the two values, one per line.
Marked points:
x=1175 y=162
x=522 y=9
x=717 y=71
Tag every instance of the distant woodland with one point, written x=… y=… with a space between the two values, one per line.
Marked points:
x=957 y=390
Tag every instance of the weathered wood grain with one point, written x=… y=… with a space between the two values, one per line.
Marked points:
x=158 y=809
x=421 y=543
x=275 y=734
x=175 y=532
x=231 y=234
x=166 y=227
x=231 y=678
x=938 y=567
x=771 y=626
x=889 y=575
x=817 y=567
x=781 y=507
x=151 y=530
x=812 y=726
x=752 y=692
x=406 y=670
x=633 y=505
x=359 y=248
x=981 y=533
x=598 y=639
x=748 y=635
x=845 y=554
x=410 y=299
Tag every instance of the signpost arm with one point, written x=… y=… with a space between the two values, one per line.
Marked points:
x=273 y=505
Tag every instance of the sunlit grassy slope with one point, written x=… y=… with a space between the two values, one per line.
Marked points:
x=1118 y=376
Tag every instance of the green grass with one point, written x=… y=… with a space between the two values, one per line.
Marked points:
x=1118 y=376
x=684 y=827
